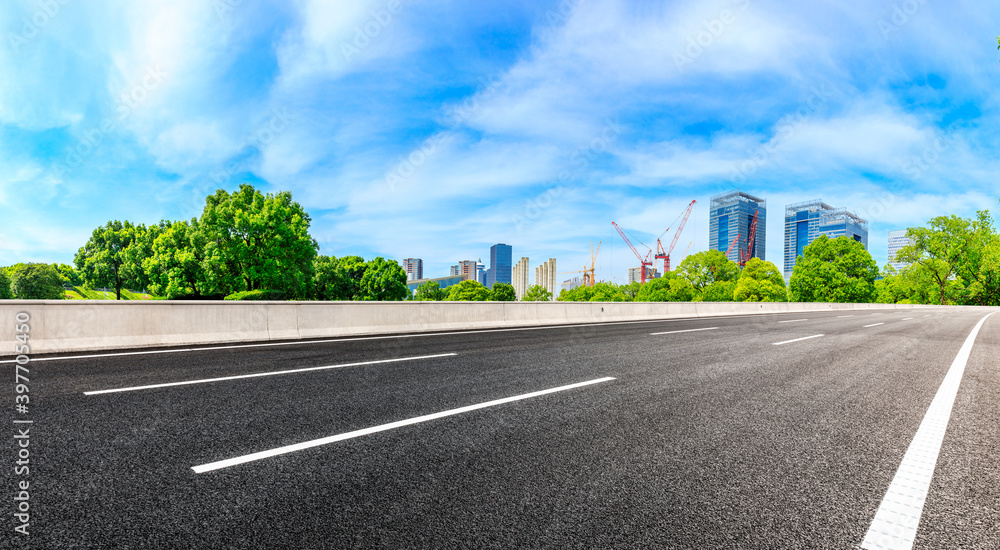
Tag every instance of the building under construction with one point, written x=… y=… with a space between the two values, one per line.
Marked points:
x=731 y=217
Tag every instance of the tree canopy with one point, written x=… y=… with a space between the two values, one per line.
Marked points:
x=536 y=293
x=35 y=281
x=706 y=268
x=834 y=270
x=503 y=292
x=106 y=261
x=383 y=280
x=760 y=281
x=952 y=260
x=468 y=290
x=5 y=292
x=430 y=291
x=256 y=241
x=175 y=265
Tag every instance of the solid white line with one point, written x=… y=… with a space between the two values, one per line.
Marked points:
x=875 y=325
x=680 y=331
x=394 y=336
x=383 y=427
x=897 y=518
x=793 y=320
x=259 y=374
x=796 y=340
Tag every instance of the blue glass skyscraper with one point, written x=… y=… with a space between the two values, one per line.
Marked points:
x=806 y=221
x=729 y=216
x=500 y=265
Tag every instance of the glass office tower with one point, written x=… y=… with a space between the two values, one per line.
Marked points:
x=729 y=217
x=806 y=221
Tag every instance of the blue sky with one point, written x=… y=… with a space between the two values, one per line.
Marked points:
x=435 y=129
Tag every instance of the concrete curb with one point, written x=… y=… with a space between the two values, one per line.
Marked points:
x=87 y=325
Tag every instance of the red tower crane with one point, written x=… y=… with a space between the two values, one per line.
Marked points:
x=751 y=248
x=665 y=255
x=645 y=262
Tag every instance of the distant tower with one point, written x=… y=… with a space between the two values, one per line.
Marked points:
x=806 y=221
x=500 y=270
x=897 y=240
x=519 y=278
x=545 y=276
x=414 y=268
x=729 y=215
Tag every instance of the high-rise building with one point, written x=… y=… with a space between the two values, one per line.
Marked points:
x=519 y=277
x=897 y=240
x=635 y=274
x=730 y=215
x=480 y=272
x=570 y=284
x=806 y=221
x=468 y=269
x=545 y=277
x=500 y=270
x=414 y=268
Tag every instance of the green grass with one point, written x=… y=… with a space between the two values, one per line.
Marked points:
x=83 y=293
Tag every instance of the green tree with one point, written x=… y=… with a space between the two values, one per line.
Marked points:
x=338 y=278
x=668 y=288
x=579 y=294
x=503 y=292
x=760 y=281
x=719 y=291
x=105 y=260
x=383 y=281
x=607 y=292
x=536 y=293
x=468 y=291
x=258 y=242
x=833 y=270
x=5 y=292
x=35 y=282
x=68 y=275
x=175 y=265
x=954 y=253
x=430 y=291
x=631 y=290
x=708 y=267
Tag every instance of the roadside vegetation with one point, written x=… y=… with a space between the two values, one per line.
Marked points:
x=253 y=246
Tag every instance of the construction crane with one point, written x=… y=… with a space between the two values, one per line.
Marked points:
x=665 y=255
x=688 y=249
x=746 y=253
x=644 y=262
x=588 y=273
x=588 y=277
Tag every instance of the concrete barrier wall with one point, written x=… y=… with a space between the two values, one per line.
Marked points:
x=87 y=325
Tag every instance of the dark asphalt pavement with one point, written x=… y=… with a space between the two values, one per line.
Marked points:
x=705 y=439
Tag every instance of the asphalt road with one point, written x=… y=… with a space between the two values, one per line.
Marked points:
x=714 y=438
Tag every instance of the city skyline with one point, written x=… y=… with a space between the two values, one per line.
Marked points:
x=530 y=123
